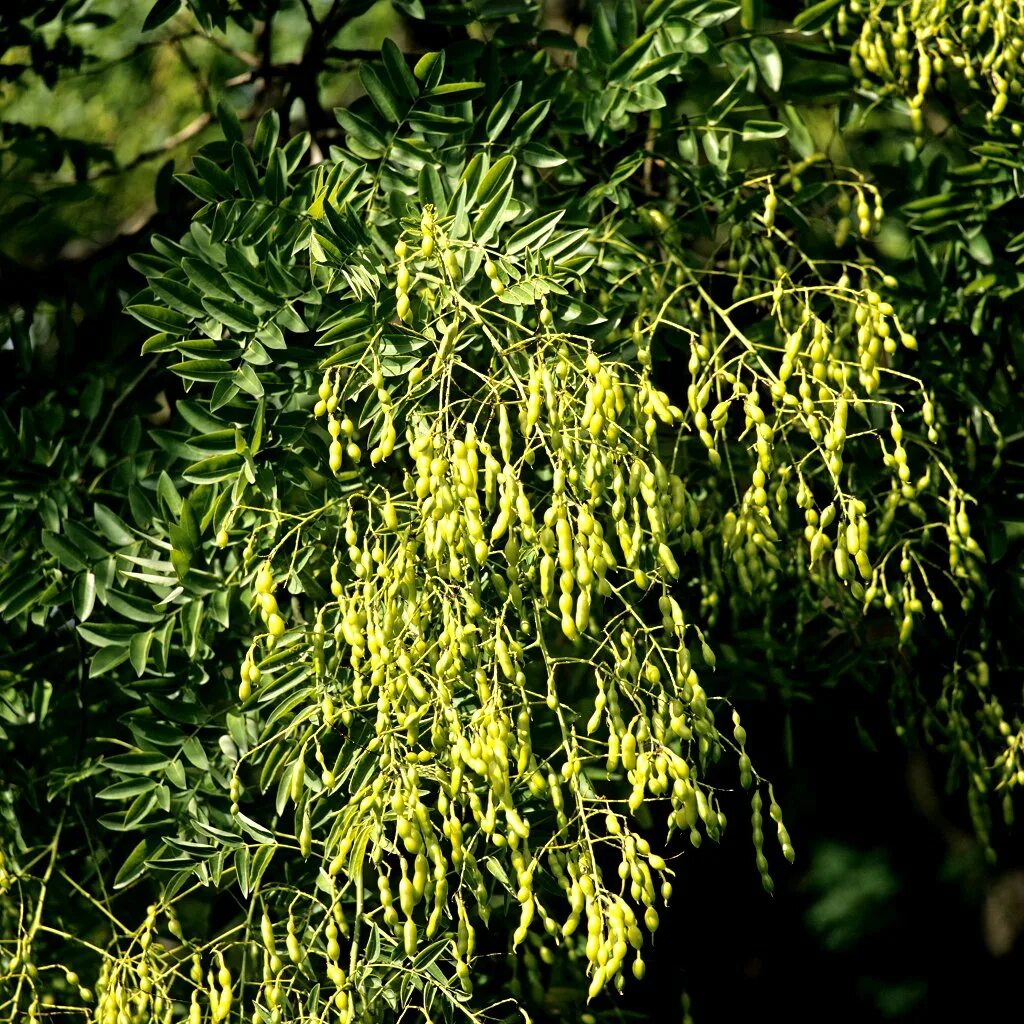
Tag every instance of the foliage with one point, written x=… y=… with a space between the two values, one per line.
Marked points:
x=402 y=633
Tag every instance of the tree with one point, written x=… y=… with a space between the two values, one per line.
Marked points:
x=534 y=424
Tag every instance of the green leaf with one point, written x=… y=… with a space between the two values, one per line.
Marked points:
x=219 y=835
x=133 y=608
x=502 y=111
x=725 y=102
x=454 y=92
x=601 y=38
x=232 y=314
x=246 y=378
x=181 y=558
x=193 y=750
x=161 y=319
x=534 y=234
x=138 y=651
x=133 y=866
x=113 y=527
x=188 y=527
x=399 y=75
x=160 y=343
x=380 y=95
x=180 y=296
x=769 y=62
x=275 y=182
x=128 y=788
x=229 y=122
x=209 y=370
x=241 y=863
x=539 y=154
x=654 y=70
x=441 y=124
x=20 y=595
x=256 y=830
x=528 y=122
x=209 y=281
x=979 y=247
x=631 y=58
x=87 y=542
x=105 y=659
x=65 y=553
x=816 y=17
x=83 y=595
x=495 y=180
x=215 y=175
x=245 y=170
x=175 y=774
x=710 y=13
x=755 y=130
x=926 y=266
x=199 y=187
x=490 y=216
x=260 y=862
x=800 y=137
x=265 y=138
x=106 y=634
x=161 y=11
x=430 y=187
x=42 y=692
x=429 y=68
x=625 y=21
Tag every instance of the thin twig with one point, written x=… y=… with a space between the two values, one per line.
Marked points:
x=190 y=131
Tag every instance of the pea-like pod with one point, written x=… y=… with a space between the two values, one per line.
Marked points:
x=668 y=560
x=298 y=776
x=267 y=934
x=864 y=565
x=582 y=616
x=409 y=937
x=842 y=561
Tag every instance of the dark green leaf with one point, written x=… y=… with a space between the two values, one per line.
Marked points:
x=133 y=866
x=128 y=788
x=601 y=38
x=769 y=62
x=265 y=139
x=245 y=171
x=502 y=111
x=161 y=11
x=495 y=180
x=232 y=314
x=756 y=130
x=106 y=659
x=534 y=234
x=199 y=187
x=379 y=93
x=453 y=92
x=399 y=75
x=112 y=526
x=429 y=68
x=161 y=319
x=66 y=553
x=138 y=651
x=816 y=17
x=490 y=216
x=210 y=370
x=83 y=594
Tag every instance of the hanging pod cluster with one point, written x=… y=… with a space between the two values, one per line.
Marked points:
x=916 y=46
x=505 y=557
x=505 y=458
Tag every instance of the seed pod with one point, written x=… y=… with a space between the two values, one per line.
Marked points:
x=267 y=934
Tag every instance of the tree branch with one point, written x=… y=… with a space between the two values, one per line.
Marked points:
x=190 y=131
